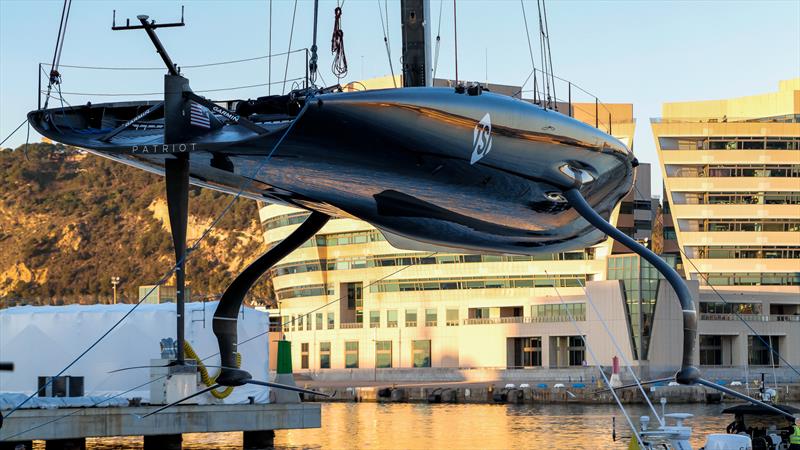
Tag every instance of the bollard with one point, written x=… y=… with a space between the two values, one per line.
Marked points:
x=284 y=374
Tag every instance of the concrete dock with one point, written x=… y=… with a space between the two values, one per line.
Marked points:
x=161 y=431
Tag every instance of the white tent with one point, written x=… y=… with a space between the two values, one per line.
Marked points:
x=42 y=340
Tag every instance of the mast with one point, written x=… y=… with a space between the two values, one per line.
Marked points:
x=415 y=15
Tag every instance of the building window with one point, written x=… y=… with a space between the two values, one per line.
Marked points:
x=351 y=355
x=411 y=317
x=431 y=317
x=324 y=355
x=452 y=317
x=374 y=319
x=729 y=308
x=355 y=300
x=760 y=354
x=558 y=312
x=710 y=350
x=531 y=352
x=391 y=318
x=331 y=320
x=304 y=355
x=421 y=355
x=299 y=323
x=577 y=351
x=285 y=323
x=479 y=313
x=319 y=321
x=383 y=354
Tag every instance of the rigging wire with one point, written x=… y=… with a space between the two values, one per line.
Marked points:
x=102 y=94
x=191 y=66
x=621 y=353
x=386 y=38
x=289 y=51
x=239 y=344
x=55 y=76
x=189 y=252
x=438 y=42
x=455 y=37
x=339 y=64
x=312 y=61
x=542 y=56
x=549 y=54
x=599 y=367
x=530 y=51
x=15 y=130
x=738 y=316
x=269 y=51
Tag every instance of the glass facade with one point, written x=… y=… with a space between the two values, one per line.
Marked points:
x=640 y=286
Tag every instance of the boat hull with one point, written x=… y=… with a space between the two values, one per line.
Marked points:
x=475 y=173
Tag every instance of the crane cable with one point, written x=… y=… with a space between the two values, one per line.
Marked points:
x=438 y=41
x=55 y=76
x=386 y=37
x=289 y=52
x=204 y=376
x=530 y=51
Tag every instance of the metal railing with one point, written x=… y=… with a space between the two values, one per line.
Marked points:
x=522 y=319
x=44 y=77
x=350 y=325
x=411 y=323
x=431 y=323
x=789 y=118
x=591 y=105
x=752 y=317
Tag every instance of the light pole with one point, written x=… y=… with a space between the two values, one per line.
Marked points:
x=114 y=283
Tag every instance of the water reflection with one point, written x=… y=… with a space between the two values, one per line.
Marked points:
x=422 y=426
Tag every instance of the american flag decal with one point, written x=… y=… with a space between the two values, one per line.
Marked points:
x=199 y=116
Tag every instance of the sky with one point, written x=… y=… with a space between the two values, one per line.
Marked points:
x=630 y=51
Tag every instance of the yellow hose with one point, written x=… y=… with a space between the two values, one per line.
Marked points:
x=204 y=376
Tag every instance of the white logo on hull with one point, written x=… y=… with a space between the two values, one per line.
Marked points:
x=481 y=139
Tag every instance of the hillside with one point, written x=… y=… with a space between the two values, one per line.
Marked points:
x=70 y=220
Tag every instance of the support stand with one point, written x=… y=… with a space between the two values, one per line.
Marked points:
x=224 y=323
x=688 y=374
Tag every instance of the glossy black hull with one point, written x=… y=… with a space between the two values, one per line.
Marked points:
x=404 y=160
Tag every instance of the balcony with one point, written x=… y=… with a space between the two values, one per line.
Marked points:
x=350 y=325
x=431 y=323
x=520 y=319
x=374 y=324
x=752 y=317
x=411 y=323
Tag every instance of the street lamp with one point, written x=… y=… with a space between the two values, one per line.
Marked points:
x=114 y=283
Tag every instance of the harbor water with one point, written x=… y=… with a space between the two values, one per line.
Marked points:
x=455 y=426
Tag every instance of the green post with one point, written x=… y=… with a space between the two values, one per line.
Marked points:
x=284 y=357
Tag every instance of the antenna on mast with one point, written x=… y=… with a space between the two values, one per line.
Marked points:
x=150 y=26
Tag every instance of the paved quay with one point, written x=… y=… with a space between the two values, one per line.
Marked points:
x=126 y=421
